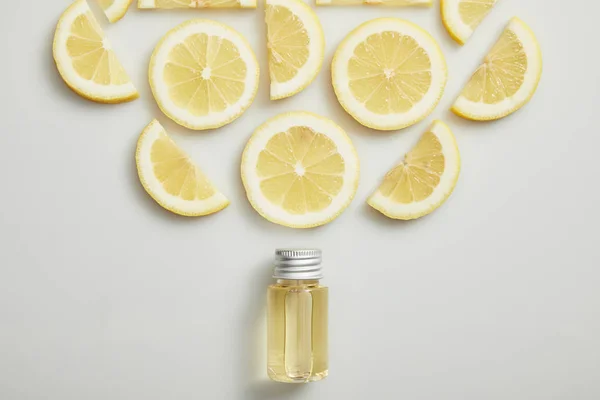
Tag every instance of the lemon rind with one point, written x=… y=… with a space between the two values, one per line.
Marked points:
x=182 y=116
x=390 y=121
x=440 y=194
x=413 y=3
x=458 y=30
x=309 y=71
x=256 y=144
x=85 y=88
x=153 y=187
x=151 y=5
x=117 y=10
x=478 y=111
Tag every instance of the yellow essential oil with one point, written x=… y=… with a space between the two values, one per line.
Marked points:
x=297 y=318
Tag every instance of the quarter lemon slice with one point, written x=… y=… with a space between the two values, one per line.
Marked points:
x=424 y=180
x=171 y=178
x=507 y=79
x=398 y=3
x=115 y=10
x=85 y=59
x=461 y=17
x=296 y=46
x=389 y=74
x=167 y=4
x=300 y=170
x=203 y=74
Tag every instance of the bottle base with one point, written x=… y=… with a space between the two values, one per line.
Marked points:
x=300 y=379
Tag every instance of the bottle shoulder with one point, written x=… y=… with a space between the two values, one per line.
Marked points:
x=297 y=286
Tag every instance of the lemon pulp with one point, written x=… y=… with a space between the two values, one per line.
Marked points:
x=168 y=4
x=300 y=170
x=502 y=73
x=416 y=178
x=91 y=54
x=176 y=173
x=195 y=3
x=287 y=41
x=399 y=3
x=473 y=12
x=389 y=73
x=205 y=74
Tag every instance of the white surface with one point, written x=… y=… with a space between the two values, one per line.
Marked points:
x=104 y=295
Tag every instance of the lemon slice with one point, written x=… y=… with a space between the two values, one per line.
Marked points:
x=389 y=74
x=171 y=178
x=507 y=79
x=203 y=74
x=300 y=170
x=85 y=59
x=424 y=180
x=461 y=17
x=167 y=4
x=296 y=46
x=115 y=9
x=397 y=3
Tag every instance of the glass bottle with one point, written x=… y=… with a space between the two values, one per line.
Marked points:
x=297 y=318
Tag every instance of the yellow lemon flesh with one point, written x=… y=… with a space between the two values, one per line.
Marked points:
x=115 y=10
x=396 y=3
x=506 y=80
x=85 y=59
x=423 y=180
x=168 y=4
x=462 y=17
x=300 y=170
x=296 y=46
x=203 y=74
x=388 y=74
x=171 y=178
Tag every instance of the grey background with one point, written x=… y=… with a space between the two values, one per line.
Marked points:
x=104 y=295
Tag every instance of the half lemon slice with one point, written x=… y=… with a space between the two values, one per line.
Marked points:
x=296 y=46
x=85 y=59
x=461 y=17
x=389 y=74
x=115 y=10
x=300 y=170
x=507 y=79
x=423 y=180
x=167 y=4
x=171 y=178
x=203 y=74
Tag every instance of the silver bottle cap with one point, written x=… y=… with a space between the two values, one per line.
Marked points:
x=298 y=264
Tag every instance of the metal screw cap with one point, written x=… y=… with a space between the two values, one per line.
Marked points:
x=298 y=264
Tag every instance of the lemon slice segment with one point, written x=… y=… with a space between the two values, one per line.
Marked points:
x=115 y=10
x=391 y=3
x=507 y=79
x=424 y=180
x=300 y=170
x=203 y=74
x=296 y=46
x=171 y=178
x=168 y=4
x=462 y=17
x=389 y=74
x=85 y=59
